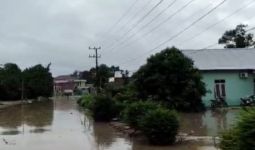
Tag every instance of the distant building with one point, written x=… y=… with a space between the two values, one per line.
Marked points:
x=68 y=85
x=64 y=85
x=227 y=73
x=117 y=79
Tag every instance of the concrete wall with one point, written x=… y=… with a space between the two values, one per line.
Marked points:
x=236 y=87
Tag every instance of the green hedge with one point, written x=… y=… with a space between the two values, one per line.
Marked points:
x=103 y=108
x=134 y=112
x=160 y=126
x=86 y=101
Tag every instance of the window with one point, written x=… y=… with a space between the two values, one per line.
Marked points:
x=219 y=89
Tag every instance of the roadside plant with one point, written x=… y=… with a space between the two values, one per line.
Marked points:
x=103 y=108
x=160 y=126
x=242 y=134
x=86 y=101
x=135 y=111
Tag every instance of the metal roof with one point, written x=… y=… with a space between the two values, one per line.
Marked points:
x=223 y=59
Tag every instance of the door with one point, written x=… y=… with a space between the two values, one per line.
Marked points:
x=219 y=89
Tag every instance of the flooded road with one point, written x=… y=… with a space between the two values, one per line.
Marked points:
x=60 y=124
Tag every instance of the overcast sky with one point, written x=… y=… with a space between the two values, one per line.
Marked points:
x=60 y=31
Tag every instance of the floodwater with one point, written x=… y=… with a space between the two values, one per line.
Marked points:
x=60 y=124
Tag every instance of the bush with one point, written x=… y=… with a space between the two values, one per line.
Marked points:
x=229 y=140
x=160 y=126
x=86 y=101
x=241 y=136
x=171 y=77
x=134 y=112
x=103 y=108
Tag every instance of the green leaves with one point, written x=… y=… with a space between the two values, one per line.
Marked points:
x=242 y=135
x=135 y=111
x=237 y=38
x=170 y=76
x=10 y=82
x=160 y=126
x=38 y=81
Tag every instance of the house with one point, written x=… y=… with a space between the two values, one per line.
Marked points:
x=227 y=73
x=64 y=85
x=67 y=85
x=117 y=79
x=81 y=85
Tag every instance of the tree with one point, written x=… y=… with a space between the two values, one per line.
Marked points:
x=88 y=76
x=237 y=38
x=104 y=73
x=170 y=77
x=38 y=81
x=10 y=82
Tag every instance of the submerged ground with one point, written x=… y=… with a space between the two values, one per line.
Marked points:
x=61 y=124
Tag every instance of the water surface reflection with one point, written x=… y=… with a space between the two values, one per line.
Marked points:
x=209 y=123
x=61 y=124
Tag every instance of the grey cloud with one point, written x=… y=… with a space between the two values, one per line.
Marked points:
x=60 y=31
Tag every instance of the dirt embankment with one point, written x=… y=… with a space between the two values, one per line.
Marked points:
x=181 y=137
x=4 y=104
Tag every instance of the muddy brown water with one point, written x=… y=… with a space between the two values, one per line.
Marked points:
x=61 y=124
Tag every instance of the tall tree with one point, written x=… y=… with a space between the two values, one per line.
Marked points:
x=38 y=81
x=87 y=75
x=10 y=82
x=104 y=73
x=237 y=38
x=170 y=77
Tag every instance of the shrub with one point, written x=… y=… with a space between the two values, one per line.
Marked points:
x=87 y=101
x=119 y=109
x=170 y=76
x=160 y=126
x=134 y=112
x=103 y=108
x=241 y=136
x=229 y=140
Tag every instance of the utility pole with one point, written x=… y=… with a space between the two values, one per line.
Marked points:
x=22 y=90
x=96 y=56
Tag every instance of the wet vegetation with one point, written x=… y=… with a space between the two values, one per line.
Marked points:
x=32 y=82
x=167 y=82
x=136 y=111
x=160 y=126
x=241 y=135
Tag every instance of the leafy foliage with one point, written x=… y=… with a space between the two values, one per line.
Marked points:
x=10 y=82
x=169 y=76
x=38 y=81
x=103 y=108
x=135 y=111
x=229 y=140
x=86 y=101
x=241 y=136
x=237 y=38
x=160 y=126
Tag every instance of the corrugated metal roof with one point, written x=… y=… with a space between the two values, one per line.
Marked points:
x=222 y=59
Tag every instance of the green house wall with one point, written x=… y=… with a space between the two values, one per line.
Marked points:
x=235 y=86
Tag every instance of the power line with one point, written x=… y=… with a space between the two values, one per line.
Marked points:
x=151 y=21
x=123 y=16
x=166 y=20
x=213 y=25
x=170 y=17
x=140 y=20
x=182 y=31
x=253 y=28
x=143 y=28
x=130 y=20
